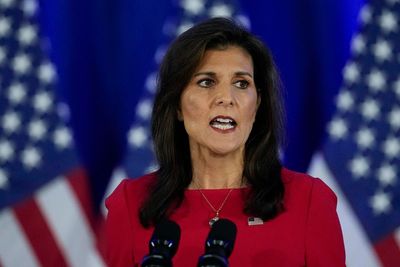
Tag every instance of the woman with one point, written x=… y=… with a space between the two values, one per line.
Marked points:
x=217 y=128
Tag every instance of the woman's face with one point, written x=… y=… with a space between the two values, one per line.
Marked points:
x=219 y=105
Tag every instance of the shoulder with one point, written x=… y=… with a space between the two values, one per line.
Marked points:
x=304 y=185
x=313 y=205
x=129 y=189
x=139 y=183
x=122 y=222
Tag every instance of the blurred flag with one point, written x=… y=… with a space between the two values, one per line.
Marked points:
x=45 y=205
x=140 y=158
x=362 y=154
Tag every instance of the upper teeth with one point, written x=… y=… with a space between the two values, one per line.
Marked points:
x=224 y=120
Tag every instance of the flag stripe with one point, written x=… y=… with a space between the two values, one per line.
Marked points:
x=388 y=251
x=39 y=235
x=80 y=186
x=397 y=237
x=16 y=252
x=94 y=259
x=79 y=183
x=67 y=221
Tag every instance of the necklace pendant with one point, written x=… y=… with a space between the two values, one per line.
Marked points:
x=213 y=220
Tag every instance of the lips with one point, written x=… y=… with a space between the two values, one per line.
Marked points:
x=223 y=123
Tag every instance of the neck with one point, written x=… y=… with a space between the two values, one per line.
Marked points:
x=211 y=171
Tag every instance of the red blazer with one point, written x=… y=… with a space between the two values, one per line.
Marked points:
x=307 y=233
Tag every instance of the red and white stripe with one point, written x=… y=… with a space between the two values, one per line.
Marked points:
x=388 y=249
x=52 y=228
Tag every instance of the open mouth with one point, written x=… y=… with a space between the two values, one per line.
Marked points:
x=223 y=123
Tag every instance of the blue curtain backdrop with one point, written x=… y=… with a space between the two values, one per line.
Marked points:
x=104 y=50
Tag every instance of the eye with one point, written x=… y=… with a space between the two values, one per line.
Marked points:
x=206 y=83
x=242 y=84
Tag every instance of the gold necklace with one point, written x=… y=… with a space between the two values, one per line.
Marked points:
x=217 y=211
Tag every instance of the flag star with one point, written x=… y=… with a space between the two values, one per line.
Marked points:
x=31 y=157
x=6 y=3
x=244 y=21
x=137 y=136
x=37 y=129
x=220 y=10
x=337 y=128
x=391 y=147
x=144 y=109
x=382 y=50
x=376 y=80
x=6 y=151
x=42 y=101
x=160 y=53
x=184 y=26
x=370 y=109
x=27 y=34
x=62 y=138
x=366 y=14
x=21 y=63
x=359 y=166
x=345 y=100
x=3 y=179
x=5 y=26
x=3 y=55
x=365 y=138
x=63 y=111
x=169 y=28
x=394 y=118
x=351 y=72
x=16 y=93
x=29 y=7
x=380 y=203
x=11 y=122
x=194 y=7
x=387 y=175
x=151 y=82
x=46 y=73
x=358 y=44
x=396 y=87
x=388 y=21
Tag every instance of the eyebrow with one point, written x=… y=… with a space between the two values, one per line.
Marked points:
x=213 y=74
x=243 y=73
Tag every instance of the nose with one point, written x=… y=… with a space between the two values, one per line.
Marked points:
x=224 y=96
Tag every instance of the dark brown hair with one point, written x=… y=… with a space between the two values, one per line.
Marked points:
x=262 y=167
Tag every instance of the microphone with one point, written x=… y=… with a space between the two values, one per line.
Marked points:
x=163 y=245
x=219 y=244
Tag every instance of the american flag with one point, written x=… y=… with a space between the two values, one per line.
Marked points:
x=363 y=148
x=45 y=206
x=140 y=158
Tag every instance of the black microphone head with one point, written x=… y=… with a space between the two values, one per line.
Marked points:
x=165 y=238
x=163 y=245
x=221 y=238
